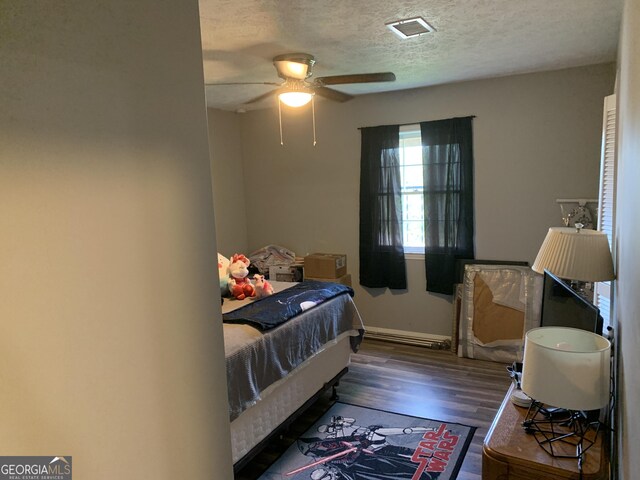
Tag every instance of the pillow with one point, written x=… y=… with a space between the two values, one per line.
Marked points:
x=223 y=273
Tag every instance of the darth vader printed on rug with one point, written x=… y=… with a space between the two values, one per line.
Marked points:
x=339 y=447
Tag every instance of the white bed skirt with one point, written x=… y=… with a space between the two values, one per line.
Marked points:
x=287 y=395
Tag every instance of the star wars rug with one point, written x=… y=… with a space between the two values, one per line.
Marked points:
x=357 y=443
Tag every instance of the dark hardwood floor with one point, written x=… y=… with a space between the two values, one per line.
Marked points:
x=414 y=381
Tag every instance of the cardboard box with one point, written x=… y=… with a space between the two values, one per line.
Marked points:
x=344 y=280
x=286 y=273
x=325 y=265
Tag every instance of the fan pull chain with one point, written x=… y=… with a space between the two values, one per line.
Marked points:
x=280 y=120
x=313 y=116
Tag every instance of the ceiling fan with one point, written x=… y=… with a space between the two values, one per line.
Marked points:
x=296 y=90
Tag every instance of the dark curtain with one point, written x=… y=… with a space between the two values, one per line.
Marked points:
x=447 y=152
x=381 y=253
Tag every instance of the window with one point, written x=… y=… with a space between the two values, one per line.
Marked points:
x=412 y=189
x=416 y=196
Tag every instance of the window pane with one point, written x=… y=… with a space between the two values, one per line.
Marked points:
x=411 y=178
x=412 y=188
x=413 y=234
x=413 y=207
x=412 y=155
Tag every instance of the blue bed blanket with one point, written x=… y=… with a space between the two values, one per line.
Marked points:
x=269 y=312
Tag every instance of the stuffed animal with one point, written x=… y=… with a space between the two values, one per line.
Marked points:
x=223 y=273
x=263 y=288
x=239 y=284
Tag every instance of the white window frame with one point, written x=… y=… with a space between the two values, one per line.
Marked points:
x=407 y=134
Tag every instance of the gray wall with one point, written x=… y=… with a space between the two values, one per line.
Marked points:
x=536 y=139
x=227 y=175
x=110 y=334
x=628 y=241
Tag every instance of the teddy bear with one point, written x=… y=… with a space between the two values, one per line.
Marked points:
x=239 y=284
x=263 y=288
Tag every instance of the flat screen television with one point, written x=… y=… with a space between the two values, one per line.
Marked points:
x=563 y=307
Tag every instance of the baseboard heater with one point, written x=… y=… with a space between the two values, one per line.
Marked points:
x=436 y=342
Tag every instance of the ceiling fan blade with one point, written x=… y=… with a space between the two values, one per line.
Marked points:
x=263 y=96
x=357 y=78
x=244 y=83
x=332 y=94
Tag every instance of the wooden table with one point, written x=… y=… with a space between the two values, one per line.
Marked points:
x=509 y=453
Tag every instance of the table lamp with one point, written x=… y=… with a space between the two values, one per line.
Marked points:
x=567 y=368
x=576 y=254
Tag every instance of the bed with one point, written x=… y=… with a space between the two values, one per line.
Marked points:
x=275 y=373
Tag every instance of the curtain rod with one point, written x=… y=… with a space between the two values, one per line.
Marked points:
x=415 y=123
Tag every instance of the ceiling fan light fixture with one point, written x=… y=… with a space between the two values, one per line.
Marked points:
x=292 y=69
x=410 y=27
x=294 y=65
x=295 y=99
x=295 y=93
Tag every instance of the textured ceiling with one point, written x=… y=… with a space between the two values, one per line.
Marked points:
x=473 y=39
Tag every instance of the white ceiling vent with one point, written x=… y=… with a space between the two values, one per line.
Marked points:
x=411 y=27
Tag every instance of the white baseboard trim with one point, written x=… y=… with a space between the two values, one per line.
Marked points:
x=439 y=342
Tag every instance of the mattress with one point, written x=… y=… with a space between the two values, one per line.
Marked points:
x=272 y=374
x=281 y=399
x=255 y=359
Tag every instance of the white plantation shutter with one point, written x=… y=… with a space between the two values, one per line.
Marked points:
x=607 y=199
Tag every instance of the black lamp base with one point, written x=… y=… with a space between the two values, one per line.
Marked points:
x=561 y=433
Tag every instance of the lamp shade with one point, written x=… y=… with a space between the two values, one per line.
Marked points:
x=575 y=254
x=566 y=368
